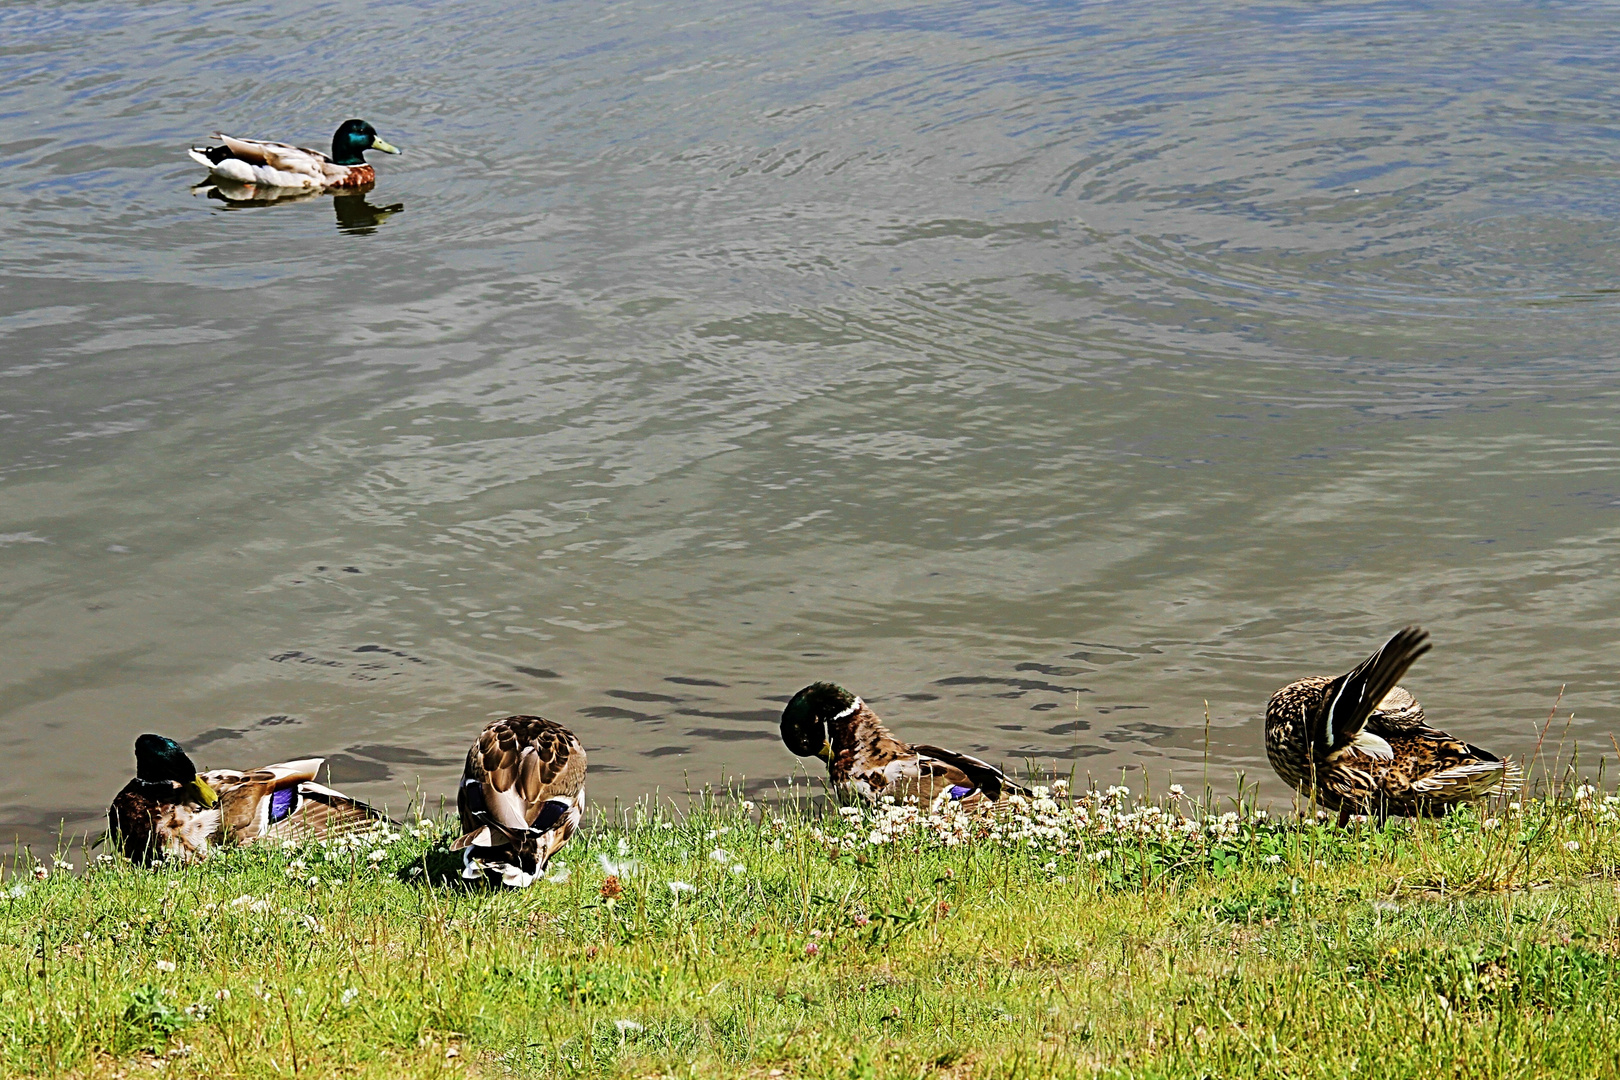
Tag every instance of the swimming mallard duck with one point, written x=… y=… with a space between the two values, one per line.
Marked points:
x=864 y=758
x=170 y=809
x=279 y=165
x=522 y=795
x=1360 y=743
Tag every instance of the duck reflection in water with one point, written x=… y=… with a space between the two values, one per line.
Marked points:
x=354 y=213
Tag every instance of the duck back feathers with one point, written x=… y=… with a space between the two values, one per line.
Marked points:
x=521 y=798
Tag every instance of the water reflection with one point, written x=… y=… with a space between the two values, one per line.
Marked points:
x=354 y=213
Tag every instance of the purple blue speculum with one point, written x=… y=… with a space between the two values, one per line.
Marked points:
x=960 y=791
x=281 y=803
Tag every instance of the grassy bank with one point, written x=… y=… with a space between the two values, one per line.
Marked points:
x=1079 y=937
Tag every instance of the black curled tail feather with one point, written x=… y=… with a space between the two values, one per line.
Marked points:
x=1352 y=697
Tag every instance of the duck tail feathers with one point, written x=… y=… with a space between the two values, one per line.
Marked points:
x=1352 y=697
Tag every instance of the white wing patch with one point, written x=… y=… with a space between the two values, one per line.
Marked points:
x=1366 y=744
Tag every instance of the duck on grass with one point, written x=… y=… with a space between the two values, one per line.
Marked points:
x=1095 y=932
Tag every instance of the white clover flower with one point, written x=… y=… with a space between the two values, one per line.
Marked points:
x=1572 y=845
x=666 y=825
x=41 y=873
x=1515 y=807
x=1177 y=790
x=164 y=965
x=222 y=994
x=627 y=1025
x=738 y=868
x=1273 y=860
x=720 y=855
x=1490 y=823
x=623 y=868
x=747 y=805
x=378 y=855
x=1100 y=856
x=1584 y=792
x=349 y=995
x=65 y=867
x=877 y=837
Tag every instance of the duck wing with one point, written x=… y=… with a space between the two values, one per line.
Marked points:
x=1353 y=697
x=963 y=775
x=277 y=155
x=283 y=801
x=271 y=164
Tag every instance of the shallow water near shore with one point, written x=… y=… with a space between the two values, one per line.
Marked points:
x=1040 y=371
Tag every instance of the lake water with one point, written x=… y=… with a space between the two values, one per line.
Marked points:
x=1040 y=371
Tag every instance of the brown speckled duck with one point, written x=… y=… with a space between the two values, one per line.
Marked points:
x=864 y=758
x=522 y=796
x=170 y=810
x=1361 y=744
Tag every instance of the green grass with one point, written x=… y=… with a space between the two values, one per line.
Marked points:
x=1444 y=948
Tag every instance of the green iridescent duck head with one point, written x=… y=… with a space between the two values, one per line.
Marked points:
x=807 y=717
x=353 y=139
x=161 y=761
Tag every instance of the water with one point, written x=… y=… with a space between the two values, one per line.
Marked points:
x=1040 y=371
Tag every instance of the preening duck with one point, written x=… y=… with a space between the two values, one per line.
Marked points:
x=522 y=796
x=864 y=758
x=1361 y=745
x=172 y=810
x=280 y=165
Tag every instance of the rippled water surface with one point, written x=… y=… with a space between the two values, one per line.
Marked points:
x=1040 y=371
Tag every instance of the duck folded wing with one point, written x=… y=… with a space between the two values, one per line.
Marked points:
x=1467 y=781
x=276 y=164
x=317 y=810
x=277 y=155
x=963 y=775
x=284 y=801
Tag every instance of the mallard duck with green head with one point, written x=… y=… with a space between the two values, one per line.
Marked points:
x=1360 y=744
x=170 y=810
x=281 y=165
x=867 y=760
x=522 y=796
